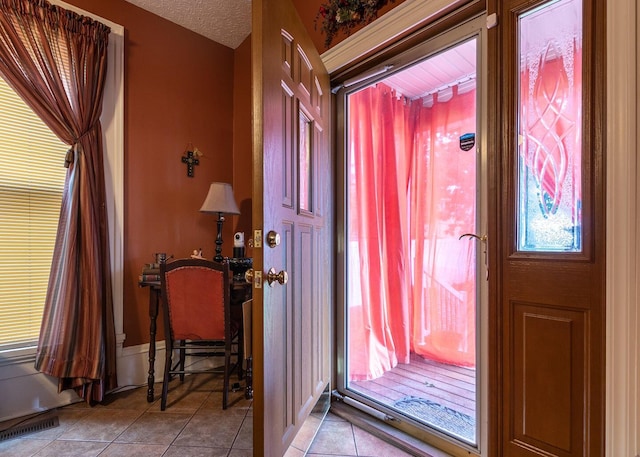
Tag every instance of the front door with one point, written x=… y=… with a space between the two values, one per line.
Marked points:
x=549 y=370
x=293 y=214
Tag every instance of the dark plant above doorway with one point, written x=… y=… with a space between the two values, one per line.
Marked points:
x=344 y=15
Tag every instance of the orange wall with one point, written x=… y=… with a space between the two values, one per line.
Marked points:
x=242 y=134
x=179 y=89
x=308 y=9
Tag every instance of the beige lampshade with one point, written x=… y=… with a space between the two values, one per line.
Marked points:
x=220 y=199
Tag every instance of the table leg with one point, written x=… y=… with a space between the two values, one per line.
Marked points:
x=248 y=392
x=154 y=298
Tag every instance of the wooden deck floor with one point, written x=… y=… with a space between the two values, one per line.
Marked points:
x=448 y=385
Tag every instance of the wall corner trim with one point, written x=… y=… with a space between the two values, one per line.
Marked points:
x=623 y=262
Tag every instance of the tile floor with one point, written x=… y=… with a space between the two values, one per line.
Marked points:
x=193 y=425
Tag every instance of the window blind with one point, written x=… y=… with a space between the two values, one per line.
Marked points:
x=32 y=178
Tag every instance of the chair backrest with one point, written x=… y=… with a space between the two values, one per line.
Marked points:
x=196 y=299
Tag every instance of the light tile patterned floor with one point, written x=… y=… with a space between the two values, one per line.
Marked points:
x=338 y=437
x=193 y=425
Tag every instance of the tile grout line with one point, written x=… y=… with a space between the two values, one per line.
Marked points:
x=187 y=423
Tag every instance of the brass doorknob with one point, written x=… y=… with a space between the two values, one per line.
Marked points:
x=272 y=276
x=248 y=275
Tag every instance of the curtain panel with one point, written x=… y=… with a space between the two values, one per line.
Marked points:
x=411 y=281
x=56 y=61
x=378 y=270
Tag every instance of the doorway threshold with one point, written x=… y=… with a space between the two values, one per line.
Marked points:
x=385 y=431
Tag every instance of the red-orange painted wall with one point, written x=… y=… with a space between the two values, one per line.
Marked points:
x=308 y=9
x=179 y=89
x=242 y=135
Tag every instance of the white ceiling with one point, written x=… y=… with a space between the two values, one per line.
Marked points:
x=438 y=73
x=227 y=22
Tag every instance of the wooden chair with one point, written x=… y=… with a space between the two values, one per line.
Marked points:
x=197 y=316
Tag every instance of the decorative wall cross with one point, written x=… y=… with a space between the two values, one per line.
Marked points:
x=190 y=160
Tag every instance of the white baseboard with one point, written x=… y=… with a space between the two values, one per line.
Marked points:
x=133 y=365
x=33 y=392
x=30 y=392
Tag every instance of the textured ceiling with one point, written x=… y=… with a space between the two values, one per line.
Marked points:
x=227 y=22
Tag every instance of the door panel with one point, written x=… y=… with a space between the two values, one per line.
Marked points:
x=548 y=366
x=292 y=197
x=549 y=363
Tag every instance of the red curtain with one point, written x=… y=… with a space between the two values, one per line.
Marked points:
x=378 y=273
x=442 y=208
x=411 y=281
x=56 y=61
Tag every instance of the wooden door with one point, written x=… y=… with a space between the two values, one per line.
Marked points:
x=293 y=207
x=548 y=367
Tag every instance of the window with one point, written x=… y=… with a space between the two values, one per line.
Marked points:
x=550 y=165
x=112 y=120
x=31 y=183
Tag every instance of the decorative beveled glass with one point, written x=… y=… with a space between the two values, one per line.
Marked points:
x=549 y=215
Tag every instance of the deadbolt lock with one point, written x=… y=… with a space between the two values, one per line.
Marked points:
x=254 y=277
x=273 y=239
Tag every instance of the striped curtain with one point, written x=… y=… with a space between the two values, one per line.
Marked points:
x=56 y=61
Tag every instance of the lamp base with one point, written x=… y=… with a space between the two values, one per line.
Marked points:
x=218 y=257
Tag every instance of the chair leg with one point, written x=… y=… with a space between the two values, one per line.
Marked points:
x=248 y=392
x=182 y=357
x=165 y=379
x=240 y=355
x=225 y=391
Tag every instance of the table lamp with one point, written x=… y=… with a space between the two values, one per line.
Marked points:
x=220 y=200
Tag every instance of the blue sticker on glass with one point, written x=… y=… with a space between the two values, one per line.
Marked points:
x=467 y=141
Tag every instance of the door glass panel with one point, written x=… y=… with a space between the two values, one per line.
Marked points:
x=411 y=277
x=304 y=160
x=549 y=133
